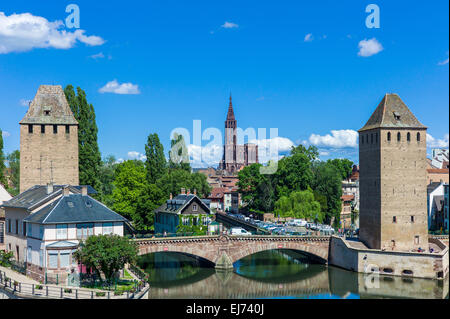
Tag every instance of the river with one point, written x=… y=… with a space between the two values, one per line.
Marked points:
x=275 y=274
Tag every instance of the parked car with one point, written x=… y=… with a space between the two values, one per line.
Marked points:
x=239 y=231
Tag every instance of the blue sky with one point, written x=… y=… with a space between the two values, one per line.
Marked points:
x=291 y=65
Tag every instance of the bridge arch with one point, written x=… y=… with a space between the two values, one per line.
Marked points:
x=317 y=253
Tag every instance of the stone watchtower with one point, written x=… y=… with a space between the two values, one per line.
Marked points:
x=392 y=159
x=48 y=140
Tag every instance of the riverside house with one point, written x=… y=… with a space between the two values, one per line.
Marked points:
x=45 y=225
x=182 y=210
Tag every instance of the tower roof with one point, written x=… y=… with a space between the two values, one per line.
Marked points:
x=230 y=115
x=392 y=112
x=49 y=106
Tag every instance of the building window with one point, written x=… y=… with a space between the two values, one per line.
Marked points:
x=29 y=230
x=55 y=129
x=17 y=227
x=67 y=129
x=371 y=138
x=376 y=138
x=85 y=230
x=9 y=225
x=53 y=259
x=412 y=219
x=107 y=228
x=418 y=137
x=30 y=128
x=61 y=231
x=394 y=219
x=185 y=221
x=64 y=258
x=389 y=136
x=416 y=240
x=398 y=137
x=408 y=137
x=42 y=129
x=194 y=207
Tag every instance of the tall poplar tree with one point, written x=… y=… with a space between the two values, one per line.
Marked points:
x=3 y=180
x=179 y=157
x=89 y=157
x=155 y=164
x=14 y=167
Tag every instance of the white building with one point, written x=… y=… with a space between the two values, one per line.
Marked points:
x=45 y=224
x=4 y=196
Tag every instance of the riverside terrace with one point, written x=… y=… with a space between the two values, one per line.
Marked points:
x=223 y=251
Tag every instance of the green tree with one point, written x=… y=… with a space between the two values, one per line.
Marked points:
x=106 y=176
x=150 y=198
x=178 y=154
x=89 y=156
x=175 y=179
x=343 y=165
x=327 y=181
x=129 y=181
x=299 y=204
x=294 y=171
x=14 y=167
x=155 y=163
x=3 y=180
x=106 y=254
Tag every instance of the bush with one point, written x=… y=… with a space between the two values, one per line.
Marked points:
x=68 y=290
x=40 y=287
x=118 y=293
x=100 y=294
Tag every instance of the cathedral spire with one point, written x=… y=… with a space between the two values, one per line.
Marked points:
x=230 y=115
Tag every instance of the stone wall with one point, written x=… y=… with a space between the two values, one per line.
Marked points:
x=46 y=157
x=420 y=265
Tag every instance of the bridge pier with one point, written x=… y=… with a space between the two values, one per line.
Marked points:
x=224 y=262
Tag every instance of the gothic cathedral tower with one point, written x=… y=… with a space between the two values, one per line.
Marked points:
x=392 y=159
x=229 y=161
x=48 y=140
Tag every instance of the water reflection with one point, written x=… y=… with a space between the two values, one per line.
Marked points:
x=275 y=274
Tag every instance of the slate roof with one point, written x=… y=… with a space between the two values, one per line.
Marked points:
x=179 y=202
x=385 y=114
x=74 y=208
x=38 y=194
x=51 y=99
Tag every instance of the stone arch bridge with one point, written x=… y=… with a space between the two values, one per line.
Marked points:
x=225 y=250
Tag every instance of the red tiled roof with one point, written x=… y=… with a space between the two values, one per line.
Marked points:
x=347 y=198
x=437 y=170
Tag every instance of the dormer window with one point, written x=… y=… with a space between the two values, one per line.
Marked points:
x=47 y=110
x=194 y=207
x=397 y=116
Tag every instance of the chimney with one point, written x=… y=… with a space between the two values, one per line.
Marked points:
x=66 y=190
x=49 y=188
x=195 y=191
x=188 y=191
x=170 y=196
x=84 y=191
x=183 y=191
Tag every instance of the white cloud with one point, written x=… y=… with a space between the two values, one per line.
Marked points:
x=270 y=149
x=136 y=155
x=369 y=47
x=308 y=37
x=229 y=25
x=338 y=139
x=6 y=134
x=97 y=56
x=437 y=143
x=205 y=156
x=444 y=62
x=24 y=32
x=124 y=88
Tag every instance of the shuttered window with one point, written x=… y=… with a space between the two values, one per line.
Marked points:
x=85 y=230
x=64 y=258
x=61 y=231
x=53 y=259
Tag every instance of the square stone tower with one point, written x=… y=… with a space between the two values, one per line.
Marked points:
x=392 y=159
x=48 y=140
